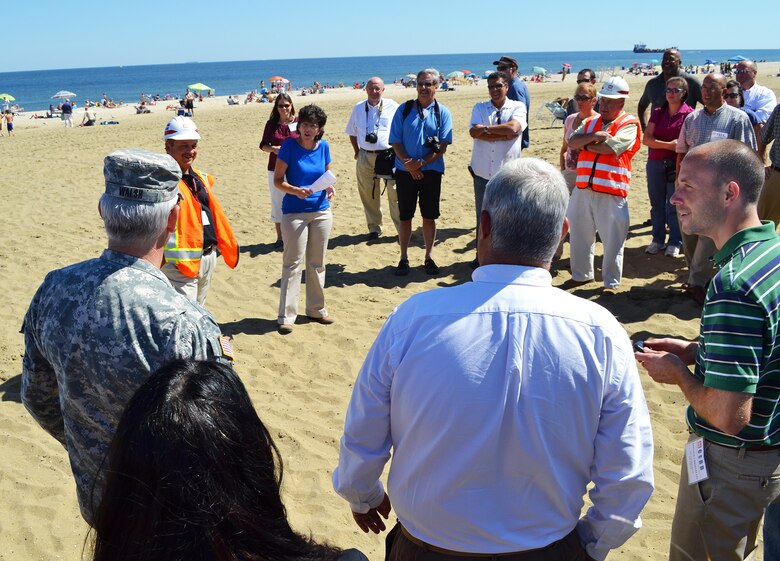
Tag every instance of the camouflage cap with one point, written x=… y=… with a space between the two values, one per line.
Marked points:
x=140 y=175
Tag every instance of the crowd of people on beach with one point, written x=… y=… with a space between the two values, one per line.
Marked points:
x=463 y=388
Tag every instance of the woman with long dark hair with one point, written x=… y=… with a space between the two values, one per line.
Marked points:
x=280 y=126
x=194 y=474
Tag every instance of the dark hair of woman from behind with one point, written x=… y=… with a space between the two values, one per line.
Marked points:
x=193 y=474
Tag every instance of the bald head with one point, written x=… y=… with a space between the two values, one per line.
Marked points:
x=375 y=87
x=712 y=88
x=746 y=73
x=670 y=63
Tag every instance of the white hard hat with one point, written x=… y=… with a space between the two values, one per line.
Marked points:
x=614 y=88
x=181 y=128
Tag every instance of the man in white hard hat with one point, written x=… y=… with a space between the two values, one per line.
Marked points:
x=202 y=228
x=607 y=144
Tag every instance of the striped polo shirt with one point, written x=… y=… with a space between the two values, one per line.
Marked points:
x=738 y=348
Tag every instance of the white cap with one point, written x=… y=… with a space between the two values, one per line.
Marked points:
x=181 y=128
x=614 y=88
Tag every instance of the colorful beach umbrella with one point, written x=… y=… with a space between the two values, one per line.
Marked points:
x=539 y=70
x=7 y=97
x=200 y=86
x=411 y=75
x=279 y=79
x=566 y=65
x=455 y=74
x=467 y=72
x=62 y=94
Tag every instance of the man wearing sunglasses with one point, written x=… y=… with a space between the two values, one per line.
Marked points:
x=518 y=91
x=715 y=121
x=760 y=99
x=202 y=228
x=496 y=126
x=419 y=134
x=655 y=89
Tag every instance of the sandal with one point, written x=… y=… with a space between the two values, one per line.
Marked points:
x=431 y=268
x=403 y=268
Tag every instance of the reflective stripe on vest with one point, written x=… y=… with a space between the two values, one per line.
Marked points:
x=607 y=173
x=185 y=244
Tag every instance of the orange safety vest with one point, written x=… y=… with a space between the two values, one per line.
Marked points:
x=185 y=245
x=607 y=173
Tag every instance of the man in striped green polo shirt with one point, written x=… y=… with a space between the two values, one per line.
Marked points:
x=731 y=471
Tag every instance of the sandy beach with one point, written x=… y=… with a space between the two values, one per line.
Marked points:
x=301 y=383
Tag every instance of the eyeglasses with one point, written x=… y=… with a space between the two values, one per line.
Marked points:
x=583 y=97
x=731 y=95
x=502 y=68
x=673 y=90
x=583 y=80
x=496 y=86
x=284 y=106
x=743 y=71
x=306 y=125
x=425 y=84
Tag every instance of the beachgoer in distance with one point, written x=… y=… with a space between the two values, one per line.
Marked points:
x=420 y=133
x=496 y=126
x=9 y=122
x=306 y=218
x=654 y=94
x=195 y=463
x=202 y=228
x=368 y=129
x=89 y=118
x=606 y=145
x=660 y=136
x=714 y=122
x=460 y=384
x=281 y=125
x=734 y=415
x=189 y=102
x=83 y=357
x=518 y=91
x=67 y=113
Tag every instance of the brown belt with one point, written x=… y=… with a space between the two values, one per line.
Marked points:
x=517 y=555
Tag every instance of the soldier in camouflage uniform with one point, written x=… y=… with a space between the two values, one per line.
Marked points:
x=96 y=330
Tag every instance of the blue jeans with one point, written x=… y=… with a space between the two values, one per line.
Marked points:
x=662 y=212
x=772 y=533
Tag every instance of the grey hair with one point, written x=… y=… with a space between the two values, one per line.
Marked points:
x=435 y=74
x=134 y=224
x=527 y=202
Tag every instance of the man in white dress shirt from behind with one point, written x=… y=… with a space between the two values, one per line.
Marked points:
x=501 y=399
x=496 y=127
x=368 y=129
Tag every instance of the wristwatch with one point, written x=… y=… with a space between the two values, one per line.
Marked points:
x=487 y=129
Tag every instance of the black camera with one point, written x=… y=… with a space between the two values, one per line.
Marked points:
x=433 y=143
x=371 y=137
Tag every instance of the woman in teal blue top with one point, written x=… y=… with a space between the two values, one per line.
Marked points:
x=306 y=218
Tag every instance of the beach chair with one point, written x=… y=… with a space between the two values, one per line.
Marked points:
x=557 y=110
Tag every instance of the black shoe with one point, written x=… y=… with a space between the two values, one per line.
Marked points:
x=278 y=245
x=373 y=236
x=431 y=268
x=403 y=268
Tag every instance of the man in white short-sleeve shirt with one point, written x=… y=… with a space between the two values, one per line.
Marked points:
x=368 y=129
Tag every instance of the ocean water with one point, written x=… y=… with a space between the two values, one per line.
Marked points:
x=33 y=90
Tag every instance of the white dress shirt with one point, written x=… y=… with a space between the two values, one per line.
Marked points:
x=761 y=100
x=502 y=399
x=488 y=157
x=375 y=120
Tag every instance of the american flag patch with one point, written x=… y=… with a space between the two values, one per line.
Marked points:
x=227 y=347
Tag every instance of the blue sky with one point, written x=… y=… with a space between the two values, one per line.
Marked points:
x=72 y=35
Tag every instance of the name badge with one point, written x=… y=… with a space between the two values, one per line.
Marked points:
x=696 y=463
x=717 y=135
x=292 y=126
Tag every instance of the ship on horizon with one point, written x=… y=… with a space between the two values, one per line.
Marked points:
x=642 y=48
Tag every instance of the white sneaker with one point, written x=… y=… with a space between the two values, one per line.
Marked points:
x=654 y=248
x=672 y=251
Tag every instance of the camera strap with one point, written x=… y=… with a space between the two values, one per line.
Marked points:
x=436 y=114
x=378 y=115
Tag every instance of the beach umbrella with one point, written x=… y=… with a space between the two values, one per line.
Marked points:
x=456 y=74
x=539 y=70
x=411 y=75
x=654 y=60
x=278 y=79
x=7 y=97
x=467 y=72
x=709 y=61
x=488 y=72
x=200 y=86
x=738 y=58
x=62 y=94
x=566 y=65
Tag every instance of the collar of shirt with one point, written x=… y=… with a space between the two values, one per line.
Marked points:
x=749 y=235
x=127 y=260
x=512 y=274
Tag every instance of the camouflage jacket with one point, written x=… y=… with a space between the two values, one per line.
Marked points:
x=93 y=334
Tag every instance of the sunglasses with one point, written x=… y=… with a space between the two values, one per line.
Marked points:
x=731 y=95
x=583 y=97
x=742 y=71
x=282 y=106
x=583 y=80
x=502 y=68
x=496 y=86
x=673 y=90
x=425 y=84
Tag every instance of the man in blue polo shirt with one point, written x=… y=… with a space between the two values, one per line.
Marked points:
x=420 y=133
